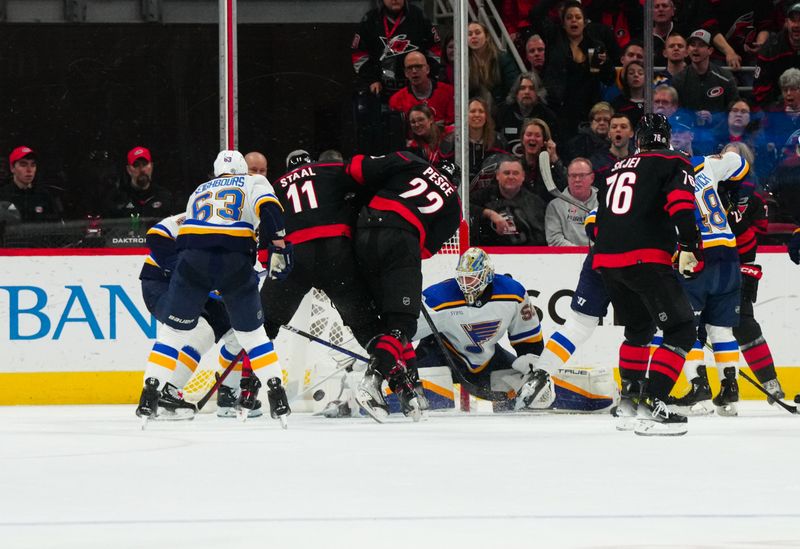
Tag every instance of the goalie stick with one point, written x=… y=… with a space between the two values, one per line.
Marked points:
x=328 y=344
x=550 y=184
x=754 y=383
x=474 y=389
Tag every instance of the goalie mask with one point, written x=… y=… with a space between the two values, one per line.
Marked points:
x=474 y=273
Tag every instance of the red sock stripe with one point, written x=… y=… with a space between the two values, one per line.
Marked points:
x=758 y=357
x=409 y=353
x=667 y=363
x=632 y=357
x=391 y=345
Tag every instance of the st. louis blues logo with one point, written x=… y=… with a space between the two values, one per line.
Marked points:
x=479 y=333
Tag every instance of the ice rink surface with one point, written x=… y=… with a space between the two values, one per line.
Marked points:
x=88 y=477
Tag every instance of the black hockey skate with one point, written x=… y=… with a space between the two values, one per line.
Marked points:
x=401 y=384
x=278 y=401
x=413 y=374
x=369 y=394
x=226 y=404
x=625 y=412
x=728 y=395
x=247 y=397
x=697 y=402
x=172 y=406
x=654 y=418
x=773 y=387
x=148 y=401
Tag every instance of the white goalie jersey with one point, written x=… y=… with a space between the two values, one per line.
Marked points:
x=473 y=332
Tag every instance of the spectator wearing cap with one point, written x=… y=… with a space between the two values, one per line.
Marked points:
x=256 y=163
x=138 y=195
x=23 y=198
x=781 y=52
x=682 y=137
x=706 y=89
x=439 y=96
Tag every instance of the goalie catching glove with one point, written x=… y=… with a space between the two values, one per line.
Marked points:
x=278 y=262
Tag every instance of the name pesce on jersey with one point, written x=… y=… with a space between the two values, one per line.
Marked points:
x=236 y=181
x=440 y=181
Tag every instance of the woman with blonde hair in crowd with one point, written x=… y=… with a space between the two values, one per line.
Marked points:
x=491 y=71
x=484 y=142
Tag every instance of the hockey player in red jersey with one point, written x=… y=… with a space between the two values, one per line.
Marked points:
x=318 y=221
x=413 y=210
x=644 y=198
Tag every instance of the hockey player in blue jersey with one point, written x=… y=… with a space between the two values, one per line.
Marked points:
x=212 y=326
x=218 y=246
x=473 y=312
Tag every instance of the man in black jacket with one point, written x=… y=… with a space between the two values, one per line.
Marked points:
x=23 y=198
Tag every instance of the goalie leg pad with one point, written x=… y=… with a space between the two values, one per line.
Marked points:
x=585 y=389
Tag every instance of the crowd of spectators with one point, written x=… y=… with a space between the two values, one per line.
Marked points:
x=724 y=72
x=578 y=98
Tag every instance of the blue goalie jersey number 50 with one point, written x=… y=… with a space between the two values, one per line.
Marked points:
x=227 y=204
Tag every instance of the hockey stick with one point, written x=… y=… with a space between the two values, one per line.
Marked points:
x=550 y=184
x=485 y=394
x=220 y=378
x=328 y=344
x=754 y=383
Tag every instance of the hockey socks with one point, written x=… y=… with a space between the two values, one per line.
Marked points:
x=759 y=358
x=665 y=368
x=633 y=360
x=562 y=344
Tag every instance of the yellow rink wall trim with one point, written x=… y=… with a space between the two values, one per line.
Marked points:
x=125 y=387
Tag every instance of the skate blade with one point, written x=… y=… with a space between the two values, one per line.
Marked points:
x=284 y=421
x=143 y=425
x=188 y=415
x=378 y=414
x=415 y=413
x=647 y=428
x=241 y=415
x=728 y=410
x=702 y=408
x=626 y=424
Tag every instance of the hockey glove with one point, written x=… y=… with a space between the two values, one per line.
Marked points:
x=690 y=260
x=277 y=261
x=794 y=247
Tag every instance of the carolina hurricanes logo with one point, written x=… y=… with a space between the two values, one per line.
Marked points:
x=397 y=45
x=715 y=91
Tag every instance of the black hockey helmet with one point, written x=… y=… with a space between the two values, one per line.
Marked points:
x=297 y=158
x=449 y=169
x=653 y=131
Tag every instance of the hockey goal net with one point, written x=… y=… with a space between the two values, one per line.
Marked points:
x=305 y=364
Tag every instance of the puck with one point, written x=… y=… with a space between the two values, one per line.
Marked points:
x=318 y=395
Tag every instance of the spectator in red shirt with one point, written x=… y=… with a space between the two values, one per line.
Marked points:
x=422 y=89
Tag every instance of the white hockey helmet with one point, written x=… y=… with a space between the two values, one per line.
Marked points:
x=230 y=162
x=474 y=272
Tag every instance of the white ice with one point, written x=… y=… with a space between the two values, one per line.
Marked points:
x=88 y=477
